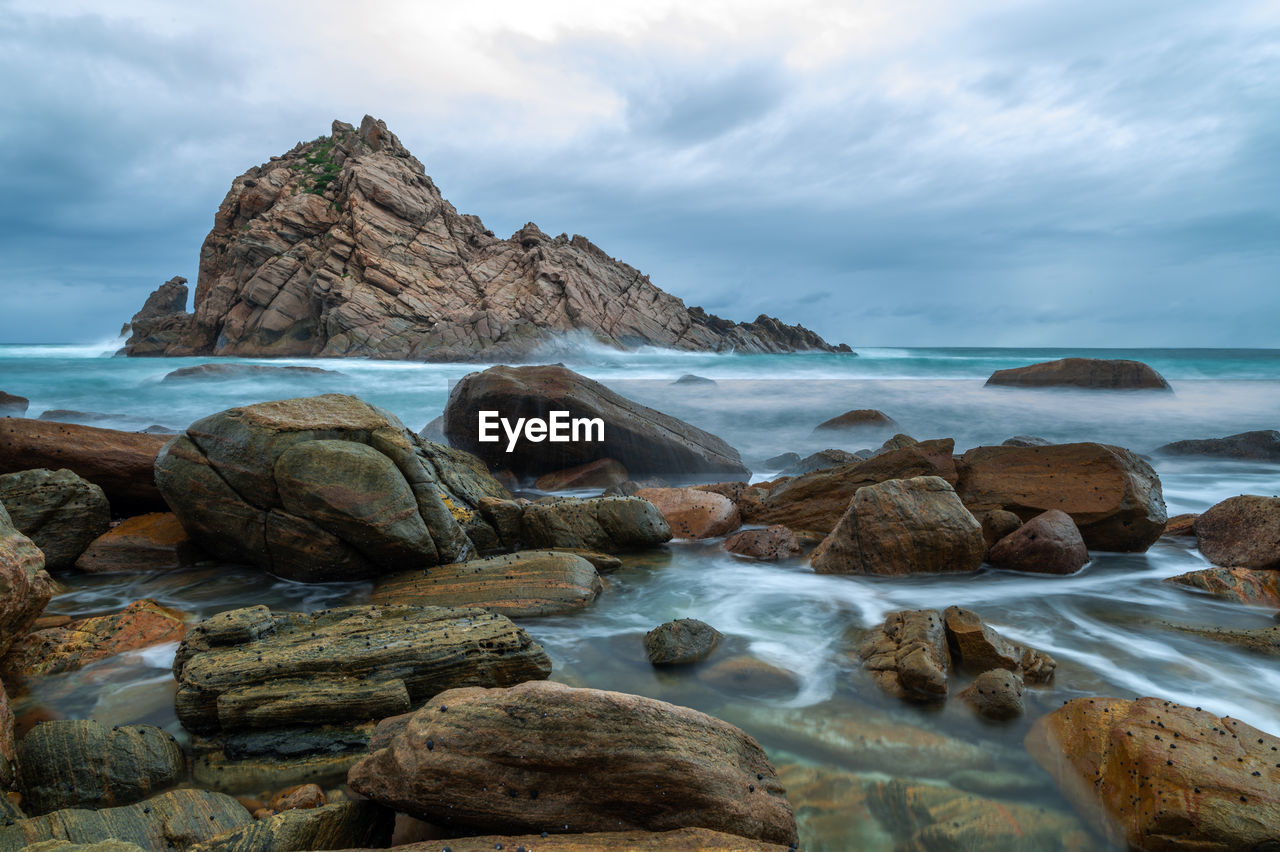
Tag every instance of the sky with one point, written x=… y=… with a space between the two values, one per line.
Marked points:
x=898 y=173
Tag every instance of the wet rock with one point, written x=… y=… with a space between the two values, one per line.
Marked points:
x=897 y=442
x=324 y=488
x=691 y=379
x=604 y=563
x=831 y=810
x=995 y=694
x=746 y=675
x=909 y=658
x=607 y=524
x=903 y=526
x=996 y=524
x=1049 y=543
x=68 y=846
x=602 y=473
x=226 y=371
x=8 y=747
x=679 y=840
x=25 y=587
x=691 y=513
x=929 y=817
x=453 y=768
x=1245 y=585
x=1262 y=445
x=685 y=640
x=69 y=648
x=769 y=544
x=434 y=432
x=821 y=460
x=817 y=501
x=177 y=820
x=529 y=583
x=1181 y=525
x=85 y=764
x=300 y=797
x=120 y=463
x=1092 y=373
x=348 y=825
x=1259 y=640
x=1025 y=441
x=976 y=647
x=1153 y=774
x=151 y=542
x=858 y=419
x=779 y=462
x=162 y=321
x=12 y=405
x=275 y=699
x=645 y=441
x=57 y=510
x=1241 y=532
x=1113 y=496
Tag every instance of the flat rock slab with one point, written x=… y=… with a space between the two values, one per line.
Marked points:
x=177 y=820
x=534 y=757
x=363 y=825
x=1091 y=373
x=1244 y=585
x=529 y=583
x=679 y=840
x=244 y=371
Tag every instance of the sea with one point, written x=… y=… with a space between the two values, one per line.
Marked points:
x=1115 y=628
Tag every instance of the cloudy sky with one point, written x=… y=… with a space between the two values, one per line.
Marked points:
x=914 y=172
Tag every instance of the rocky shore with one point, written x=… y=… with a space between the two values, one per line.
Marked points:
x=436 y=707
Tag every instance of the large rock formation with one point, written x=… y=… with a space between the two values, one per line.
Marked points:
x=344 y=246
x=1092 y=373
x=162 y=321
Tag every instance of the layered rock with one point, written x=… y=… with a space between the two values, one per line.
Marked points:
x=1241 y=532
x=72 y=646
x=25 y=587
x=691 y=513
x=1049 y=543
x=605 y=524
x=601 y=474
x=57 y=510
x=903 y=526
x=1092 y=373
x=324 y=488
x=1152 y=774
x=669 y=767
x=279 y=698
x=162 y=322
x=152 y=542
x=85 y=764
x=344 y=246
x=120 y=463
x=1113 y=496
x=685 y=640
x=1262 y=445
x=910 y=659
x=347 y=825
x=529 y=583
x=976 y=647
x=645 y=441
x=1244 y=585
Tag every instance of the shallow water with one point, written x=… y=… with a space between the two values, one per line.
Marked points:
x=1107 y=626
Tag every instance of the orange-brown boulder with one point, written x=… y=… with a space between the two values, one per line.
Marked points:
x=857 y=419
x=1246 y=585
x=301 y=797
x=1241 y=532
x=692 y=513
x=1092 y=373
x=65 y=649
x=152 y=542
x=910 y=658
x=770 y=544
x=1152 y=774
x=25 y=587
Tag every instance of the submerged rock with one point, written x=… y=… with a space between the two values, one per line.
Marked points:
x=151 y=542
x=244 y=371
x=85 y=764
x=1113 y=496
x=858 y=419
x=57 y=510
x=1245 y=585
x=821 y=460
x=347 y=825
x=903 y=526
x=995 y=694
x=1049 y=543
x=324 y=488
x=1092 y=373
x=685 y=640
x=694 y=514
x=25 y=587
x=677 y=840
x=1153 y=774
x=1262 y=445
x=12 y=405
x=668 y=767
x=602 y=473
x=528 y=583
x=645 y=441
x=1241 y=532
x=770 y=544
x=747 y=675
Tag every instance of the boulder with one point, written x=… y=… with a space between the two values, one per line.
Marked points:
x=86 y=764
x=1092 y=373
x=176 y=820
x=276 y=699
x=70 y=647
x=162 y=322
x=324 y=488
x=821 y=460
x=995 y=694
x=817 y=501
x=120 y=463
x=1152 y=774
x=976 y=647
x=8 y=745
x=678 y=840
x=685 y=640
x=1113 y=496
x=1025 y=441
x=746 y=675
x=691 y=513
x=645 y=441
x=12 y=405
x=769 y=544
x=1245 y=585
x=601 y=474
x=57 y=510
x=25 y=587
x=1262 y=445
x=858 y=419
x=903 y=526
x=691 y=379
x=607 y=524
x=669 y=767
x=909 y=658
x=1181 y=525
x=528 y=583
x=299 y=797
x=346 y=825
x=996 y=524
x=1049 y=543
x=1241 y=532
x=152 y=542
x=244 y=371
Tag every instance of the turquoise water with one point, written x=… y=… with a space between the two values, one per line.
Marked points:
x=1107 y=625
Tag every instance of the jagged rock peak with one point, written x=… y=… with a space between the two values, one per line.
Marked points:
x=344 y=246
